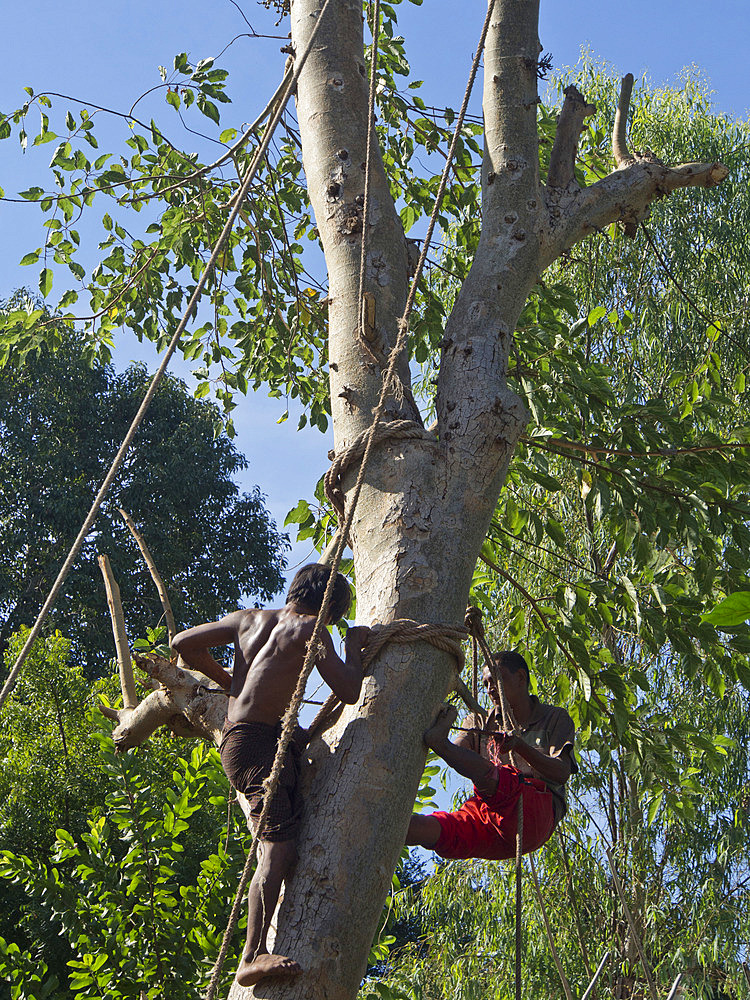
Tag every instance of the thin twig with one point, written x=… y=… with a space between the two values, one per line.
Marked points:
x=633 y=929
x=592 y=985
x=537 y=610
x=681 y=289
x=550 y=939
x=574 y=904
x=155 y=575
x=590 y=449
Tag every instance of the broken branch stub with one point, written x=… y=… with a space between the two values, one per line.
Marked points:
x=183 y=702
x=124 y=662
x=620 y=131
x=574 y=112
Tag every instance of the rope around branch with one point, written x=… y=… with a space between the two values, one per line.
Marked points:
x=393 y=430
x=445 y=637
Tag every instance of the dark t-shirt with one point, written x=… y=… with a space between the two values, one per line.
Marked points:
x=550 y=730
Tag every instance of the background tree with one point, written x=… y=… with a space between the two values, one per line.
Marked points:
x=62 y=416
x=427 y=502
x=102 y=853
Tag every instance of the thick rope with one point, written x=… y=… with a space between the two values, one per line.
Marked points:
x=474 y=668
x=519 y=900
x=476 y=627
x=290 y=717
x=445 y=637
x=238 y=201
x=392 y=430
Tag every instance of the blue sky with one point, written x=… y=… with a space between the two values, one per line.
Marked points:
x=109 y=53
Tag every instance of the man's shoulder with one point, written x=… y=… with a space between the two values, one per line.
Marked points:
x=250 y=619
x=553 y=713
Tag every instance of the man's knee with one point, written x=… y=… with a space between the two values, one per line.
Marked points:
x=424 y=831
x=280 y=855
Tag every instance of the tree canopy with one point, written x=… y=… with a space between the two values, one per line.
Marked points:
x=62 y=417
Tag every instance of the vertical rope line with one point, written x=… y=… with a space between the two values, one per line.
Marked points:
x=401 y=340
x=474 y=668
x=548 y=929
x=368 y=161
x=509 y=724
x=574 y=905
x=151 y=392
x=519 y=898
x=290 y=715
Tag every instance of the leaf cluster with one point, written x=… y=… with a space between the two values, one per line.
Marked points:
x=141 y=895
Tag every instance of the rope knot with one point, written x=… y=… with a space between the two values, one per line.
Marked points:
x=473 y=621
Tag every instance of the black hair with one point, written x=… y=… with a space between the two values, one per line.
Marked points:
x=309 y=586
x=512 y=661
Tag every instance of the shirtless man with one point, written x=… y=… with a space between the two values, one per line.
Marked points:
x=269 y=651
x=485 y=826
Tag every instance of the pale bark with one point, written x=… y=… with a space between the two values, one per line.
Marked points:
x=575 y=111
x=124 y=662
x=620 y=131
x=427 y=502
x=183 y=701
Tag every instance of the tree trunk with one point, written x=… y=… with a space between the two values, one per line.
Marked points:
x=427 y=502
x=420 y=520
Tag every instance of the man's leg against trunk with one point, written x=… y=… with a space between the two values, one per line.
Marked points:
x=275 y=861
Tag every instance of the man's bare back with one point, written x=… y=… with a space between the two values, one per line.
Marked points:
x=269 y=653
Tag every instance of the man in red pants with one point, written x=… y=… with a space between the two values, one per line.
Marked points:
x=485 y=826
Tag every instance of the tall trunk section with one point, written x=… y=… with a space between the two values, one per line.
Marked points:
x=426 y=504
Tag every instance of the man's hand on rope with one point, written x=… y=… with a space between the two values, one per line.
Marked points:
x=506 y=742
x=357 y=637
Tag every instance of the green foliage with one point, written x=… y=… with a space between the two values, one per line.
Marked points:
x=61 y=421
x=733 y=610
x=47 y=775
x=161 y=210
x=141 y=896
x=26 y=974
x=623 y=522
x=686 y=879
x=624 y=519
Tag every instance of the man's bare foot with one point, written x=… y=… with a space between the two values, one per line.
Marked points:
x=437 y=734
x=264 y=967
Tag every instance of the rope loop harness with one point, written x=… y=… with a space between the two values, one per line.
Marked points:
x=389 y=430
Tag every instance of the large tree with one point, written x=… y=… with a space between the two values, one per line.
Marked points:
x=429 y=500
x=62 y=416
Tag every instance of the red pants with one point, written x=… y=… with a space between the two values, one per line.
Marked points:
x=486 y=828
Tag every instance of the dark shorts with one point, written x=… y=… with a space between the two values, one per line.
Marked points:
x=247 y=753
x=486 y=827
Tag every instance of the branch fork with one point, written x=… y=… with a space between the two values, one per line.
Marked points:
x=625 y=195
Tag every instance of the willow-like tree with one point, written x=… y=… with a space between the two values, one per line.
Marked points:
x=427 y=501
